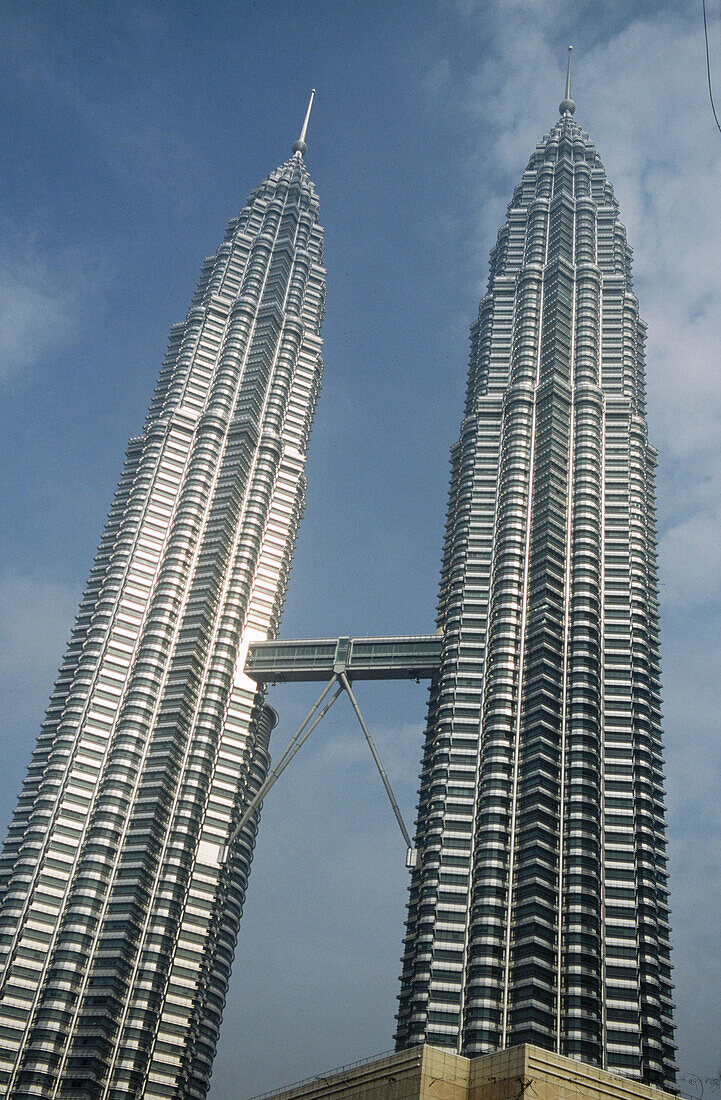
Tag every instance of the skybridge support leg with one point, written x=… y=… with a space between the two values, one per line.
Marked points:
x=298 y=740
x=411 y=852
x=294 y=745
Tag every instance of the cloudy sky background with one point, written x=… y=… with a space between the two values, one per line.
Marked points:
x=131 y=134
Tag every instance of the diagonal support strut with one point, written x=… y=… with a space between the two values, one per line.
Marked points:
x=298 y=740
x=411 y=855
x=296 y=743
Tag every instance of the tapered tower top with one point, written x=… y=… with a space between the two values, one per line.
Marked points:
x=300 y=146
x=567 y=106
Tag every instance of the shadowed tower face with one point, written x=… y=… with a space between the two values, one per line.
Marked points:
x=538 y=912
x=118 y=909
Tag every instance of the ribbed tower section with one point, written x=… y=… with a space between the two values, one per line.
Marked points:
x=118 y=918
x=539 y=911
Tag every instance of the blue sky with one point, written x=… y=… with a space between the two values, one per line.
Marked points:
x=131 y=134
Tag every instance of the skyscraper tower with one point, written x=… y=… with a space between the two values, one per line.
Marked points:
x=118 y=908
x=538 y=912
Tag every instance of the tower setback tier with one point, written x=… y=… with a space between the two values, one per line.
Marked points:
x=118 y=916
x=538 y=913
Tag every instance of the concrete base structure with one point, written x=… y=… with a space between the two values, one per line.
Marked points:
x=432 y=1073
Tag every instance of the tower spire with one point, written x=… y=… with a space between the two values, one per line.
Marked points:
x=567 y=106
x=300 y=146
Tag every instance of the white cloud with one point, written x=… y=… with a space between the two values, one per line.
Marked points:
x=690 y=555
x=38 y=308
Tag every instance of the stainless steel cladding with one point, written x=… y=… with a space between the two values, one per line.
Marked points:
x=539 y=912
x=118 y=918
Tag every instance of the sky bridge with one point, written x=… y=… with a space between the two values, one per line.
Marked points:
x=338 y=661
x=406 y=657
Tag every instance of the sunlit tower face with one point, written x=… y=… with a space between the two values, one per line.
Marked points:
x=539 y=910
x=119 y=905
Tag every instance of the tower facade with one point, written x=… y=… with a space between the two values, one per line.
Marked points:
x=538 y=913
x=118 y=907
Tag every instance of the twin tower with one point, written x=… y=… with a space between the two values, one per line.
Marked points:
x=538 y=900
